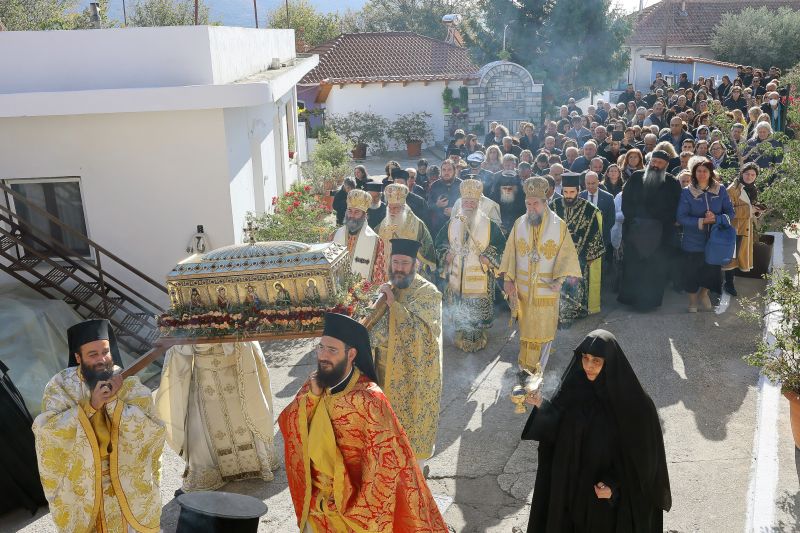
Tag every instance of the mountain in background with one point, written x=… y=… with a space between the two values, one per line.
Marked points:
x=240 y=12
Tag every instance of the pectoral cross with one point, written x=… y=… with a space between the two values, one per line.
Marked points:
x=249 y=233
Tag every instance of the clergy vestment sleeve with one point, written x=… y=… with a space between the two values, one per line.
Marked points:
x=508 y=265
x=70 y=460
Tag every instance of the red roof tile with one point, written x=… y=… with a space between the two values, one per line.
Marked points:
x=388 y=57
x=696 y=25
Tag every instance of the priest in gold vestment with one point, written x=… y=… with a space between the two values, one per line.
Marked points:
x=470 y=247
x=98 y=441
x=216 y=404
x=402 y=223
x=349 y=464
x=408 y=348
x=539 y=256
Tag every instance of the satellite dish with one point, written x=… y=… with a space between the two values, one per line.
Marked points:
x=454 y=19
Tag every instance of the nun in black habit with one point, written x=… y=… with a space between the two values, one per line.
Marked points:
x=602 y=467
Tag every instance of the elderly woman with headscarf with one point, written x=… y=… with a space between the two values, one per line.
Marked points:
x=744 y=195
x=602 y=466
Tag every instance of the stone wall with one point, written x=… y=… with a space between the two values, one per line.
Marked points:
x=501 y=91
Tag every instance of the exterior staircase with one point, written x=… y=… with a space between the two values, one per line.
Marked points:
x=46 y=265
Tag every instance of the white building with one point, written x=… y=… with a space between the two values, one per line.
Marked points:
x=138 y=135
x=386 y=73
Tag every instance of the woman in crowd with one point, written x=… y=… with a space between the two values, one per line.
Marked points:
x=602 y=466
x=690 y=97
x=630 y=112
x=612 y=180
x=633 y=161
x=493 y=162
x=752 y=119
x=708 y=87
x=360 y=173
x=472 y=144
x=762 y=149
x=526 y=156
x=717 y=153
x=542 y=165
x=744 y=196
x=529 y=140
x=638 y=120
x=702 y=203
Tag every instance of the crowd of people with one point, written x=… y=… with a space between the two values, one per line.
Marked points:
x=628 y=196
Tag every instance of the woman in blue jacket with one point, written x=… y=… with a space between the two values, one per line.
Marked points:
x=701 y=203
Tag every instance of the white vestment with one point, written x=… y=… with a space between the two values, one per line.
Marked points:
x=216 y=404
x=487 y=206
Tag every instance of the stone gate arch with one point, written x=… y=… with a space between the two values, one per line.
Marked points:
x=504 y=92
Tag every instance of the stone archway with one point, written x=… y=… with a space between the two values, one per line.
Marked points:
x=504 y=92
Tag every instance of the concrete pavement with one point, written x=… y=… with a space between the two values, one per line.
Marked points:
x=690 y=364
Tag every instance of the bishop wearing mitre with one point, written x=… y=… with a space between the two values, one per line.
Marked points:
x=402 y=223
x=365 y=246
x=216 y=404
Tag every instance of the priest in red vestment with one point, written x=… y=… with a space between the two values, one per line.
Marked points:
x=348 y=460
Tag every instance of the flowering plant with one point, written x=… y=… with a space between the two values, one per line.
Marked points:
x=243 y=320
x=298 y=215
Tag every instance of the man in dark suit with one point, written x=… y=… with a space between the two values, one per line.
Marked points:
x=605 y=203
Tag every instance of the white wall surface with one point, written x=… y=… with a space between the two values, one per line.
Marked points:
x=392 y=100
x=136 y=57
x=147 y=179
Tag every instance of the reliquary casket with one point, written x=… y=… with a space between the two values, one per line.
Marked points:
x=260 y=275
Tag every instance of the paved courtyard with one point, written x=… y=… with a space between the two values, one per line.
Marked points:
x=706 y=395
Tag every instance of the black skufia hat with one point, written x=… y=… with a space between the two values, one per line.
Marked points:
x=90 y=331
x=399 y=174
x=373 y=186
x=407 y=247
x=570 y=179
x=453 y=151
x=353 y=334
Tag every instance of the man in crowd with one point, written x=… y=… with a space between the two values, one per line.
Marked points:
x=469 y=250
x=539 y=256
x=627 y=96
x=648 y=143
x=508 y=194
x=776 y=110
x=570 y=155
x=407 y=341
x=736 y=100
x=402 y=223
x=442 y=194
x=365 y=246
x=656 y=117
x=421 y=178
x=677 y=135
x=377 y=209
x=340 y=198
x=98 y=440
x=581 y=297
x=475 y=171
x=650 y=204
x=604 y=201
x=581 y=164
x=348 y=471
x=578 y=132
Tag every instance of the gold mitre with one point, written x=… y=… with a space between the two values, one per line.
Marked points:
x=358 y=199
x=536 y=187
x=395 y=194
x=471 y=189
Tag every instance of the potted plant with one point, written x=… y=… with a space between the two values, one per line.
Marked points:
x=327 y=166
x=364 y=129
x=780 y=361
x=412 y=129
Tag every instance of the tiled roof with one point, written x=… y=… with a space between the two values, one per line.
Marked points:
x=685 y=59
x=696 y=25
x=388 y=57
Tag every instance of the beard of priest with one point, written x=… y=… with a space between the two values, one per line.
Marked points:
x=98 y=440
x=362 y=473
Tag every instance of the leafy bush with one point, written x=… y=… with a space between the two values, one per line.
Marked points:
x=328 y=164
x=361 y=128
x=298 y=216
x=411 y=127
